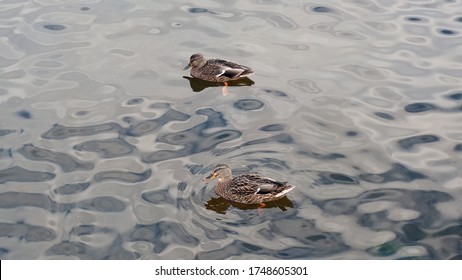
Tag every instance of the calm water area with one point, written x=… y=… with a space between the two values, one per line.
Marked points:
x=105 y=140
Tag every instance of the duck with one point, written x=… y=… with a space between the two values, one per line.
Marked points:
x=247 y=188
x=217 y=70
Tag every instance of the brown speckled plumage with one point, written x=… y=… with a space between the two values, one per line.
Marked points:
x=247 y=188
x=216 y=70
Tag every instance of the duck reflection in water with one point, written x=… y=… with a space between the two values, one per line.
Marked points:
x=216 y=71
x=221 y=205
x=198 y=85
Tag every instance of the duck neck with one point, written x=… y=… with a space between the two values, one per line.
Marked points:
x=202 y=62
x=226 y=175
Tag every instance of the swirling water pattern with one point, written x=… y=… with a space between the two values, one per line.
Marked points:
x=103 y=144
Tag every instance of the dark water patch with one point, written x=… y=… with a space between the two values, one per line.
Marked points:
x=415 y=19
x=384 y=115
x=54 y=27
x=117 y=252
x=272 y=127
x=322 y=9
x=67 y=248
x=351 y=133
x=386 y=249
x=455 y=96
x=149 y=126
x=27 y=232
x=181 y=186
x=68 y=189
x=447 y=32
x=19 y=174
x=103 y=204
x=214 y=118
x=194 y=140
x=135 y=101
x=331 y=156
x=409 y=143
x=458 y=147
x=413 y=232
x=82 y=230
x=4 y=132
x=59 y=132
x=5 y=153
x=276 y=93
x=451 y=230
x=24 y=114
x=328 y=178
x=158 y=233
x=419 y=107
x=199 y=10
x=194 y=168
x=158 y=197
x=122 y=176
x=459 y=19
x=65 y=161
x=398 y=172
x=248 y=104
x=376 y=221
x=81 y=113
x=109 y=148
x=20 y=199
x=3 y=253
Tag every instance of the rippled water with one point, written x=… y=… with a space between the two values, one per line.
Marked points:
x=104 y=141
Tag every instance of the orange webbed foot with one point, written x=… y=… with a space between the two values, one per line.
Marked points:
x=260 y=208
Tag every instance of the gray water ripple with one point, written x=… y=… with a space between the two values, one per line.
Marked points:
x=27 y=232
x=103 y=204
x=20 y=199
x=69 y=189
x=59 y=132
x=109 y=148
x=155 y=234
x=122 y=176
x=66 y=162
x=150 y=126
x=354 y=103
x=410 y=142
x=19 y=174
x=397 y=172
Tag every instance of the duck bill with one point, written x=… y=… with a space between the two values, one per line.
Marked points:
x=187 y=67
x=210 y=177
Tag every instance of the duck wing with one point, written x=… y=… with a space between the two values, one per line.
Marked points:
x=255 y=184
x=228 y=69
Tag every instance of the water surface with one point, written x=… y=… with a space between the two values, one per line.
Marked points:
x=104 y=141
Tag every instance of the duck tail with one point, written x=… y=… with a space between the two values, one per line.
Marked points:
x=288 y=189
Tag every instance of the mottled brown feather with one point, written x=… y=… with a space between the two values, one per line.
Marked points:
x=247 y=188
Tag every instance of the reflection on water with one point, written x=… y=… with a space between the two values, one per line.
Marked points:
x=220 y=205
x=104 y=144
x=198 y=85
